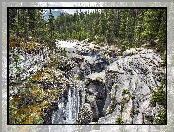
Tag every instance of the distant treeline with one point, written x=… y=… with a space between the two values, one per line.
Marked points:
x=125 y=28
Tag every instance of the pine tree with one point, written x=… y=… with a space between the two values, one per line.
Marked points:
x=123 y=15
x=151 y=25
x=130 y=24
x=110 y=27
x=139 y=24
x=162 y=37
x=51 y=27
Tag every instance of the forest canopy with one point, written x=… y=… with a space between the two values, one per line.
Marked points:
x=124 y=28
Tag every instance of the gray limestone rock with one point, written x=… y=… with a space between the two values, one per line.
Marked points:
x=135 y=77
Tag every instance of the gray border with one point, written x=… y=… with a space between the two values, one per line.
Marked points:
x=170 y=69
x=1 y=74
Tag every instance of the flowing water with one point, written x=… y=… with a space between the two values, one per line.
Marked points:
x=68 y=109
x=66 y=44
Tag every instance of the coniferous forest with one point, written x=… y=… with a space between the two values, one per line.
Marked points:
x=125 y=28
x=117 y=65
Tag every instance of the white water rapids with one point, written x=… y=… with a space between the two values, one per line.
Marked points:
x=69 y=108
x=66 y=44
x=69 y=105
x=67 y=112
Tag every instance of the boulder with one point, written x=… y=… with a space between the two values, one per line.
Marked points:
x=85 y=115
x=129 y=81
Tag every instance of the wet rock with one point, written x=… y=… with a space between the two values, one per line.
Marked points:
x=97 y=47
x=97 y=76
x=103 y=85
x=85 y=114
x=94 y=107
x=96 y=90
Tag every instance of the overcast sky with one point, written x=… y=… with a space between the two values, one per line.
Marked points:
x=69 y=4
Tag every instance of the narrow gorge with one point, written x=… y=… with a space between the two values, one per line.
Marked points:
x=82 y=83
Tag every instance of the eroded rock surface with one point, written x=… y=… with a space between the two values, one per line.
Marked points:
x=88 y=84
x=130 y=81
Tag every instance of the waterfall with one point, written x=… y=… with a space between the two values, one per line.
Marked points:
x=73 y=105
x=69 y=108
x=83 y=95
x=78 y=104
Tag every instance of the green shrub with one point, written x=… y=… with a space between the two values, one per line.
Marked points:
x=125 y=91
x=159 y=96
x=161 y=117
x=119 y=120
x=116 y=87
x=111 y=108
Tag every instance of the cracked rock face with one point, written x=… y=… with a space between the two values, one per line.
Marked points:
x=130 y=81
x=107 y=89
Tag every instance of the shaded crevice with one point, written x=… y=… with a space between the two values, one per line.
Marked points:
x=100 y=93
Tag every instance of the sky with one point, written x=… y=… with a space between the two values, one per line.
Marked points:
x=69 y=4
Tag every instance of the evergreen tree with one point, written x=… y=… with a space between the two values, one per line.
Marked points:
x=139 y=24
x=152 y=22
x=161 y=36
x=125 y=27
